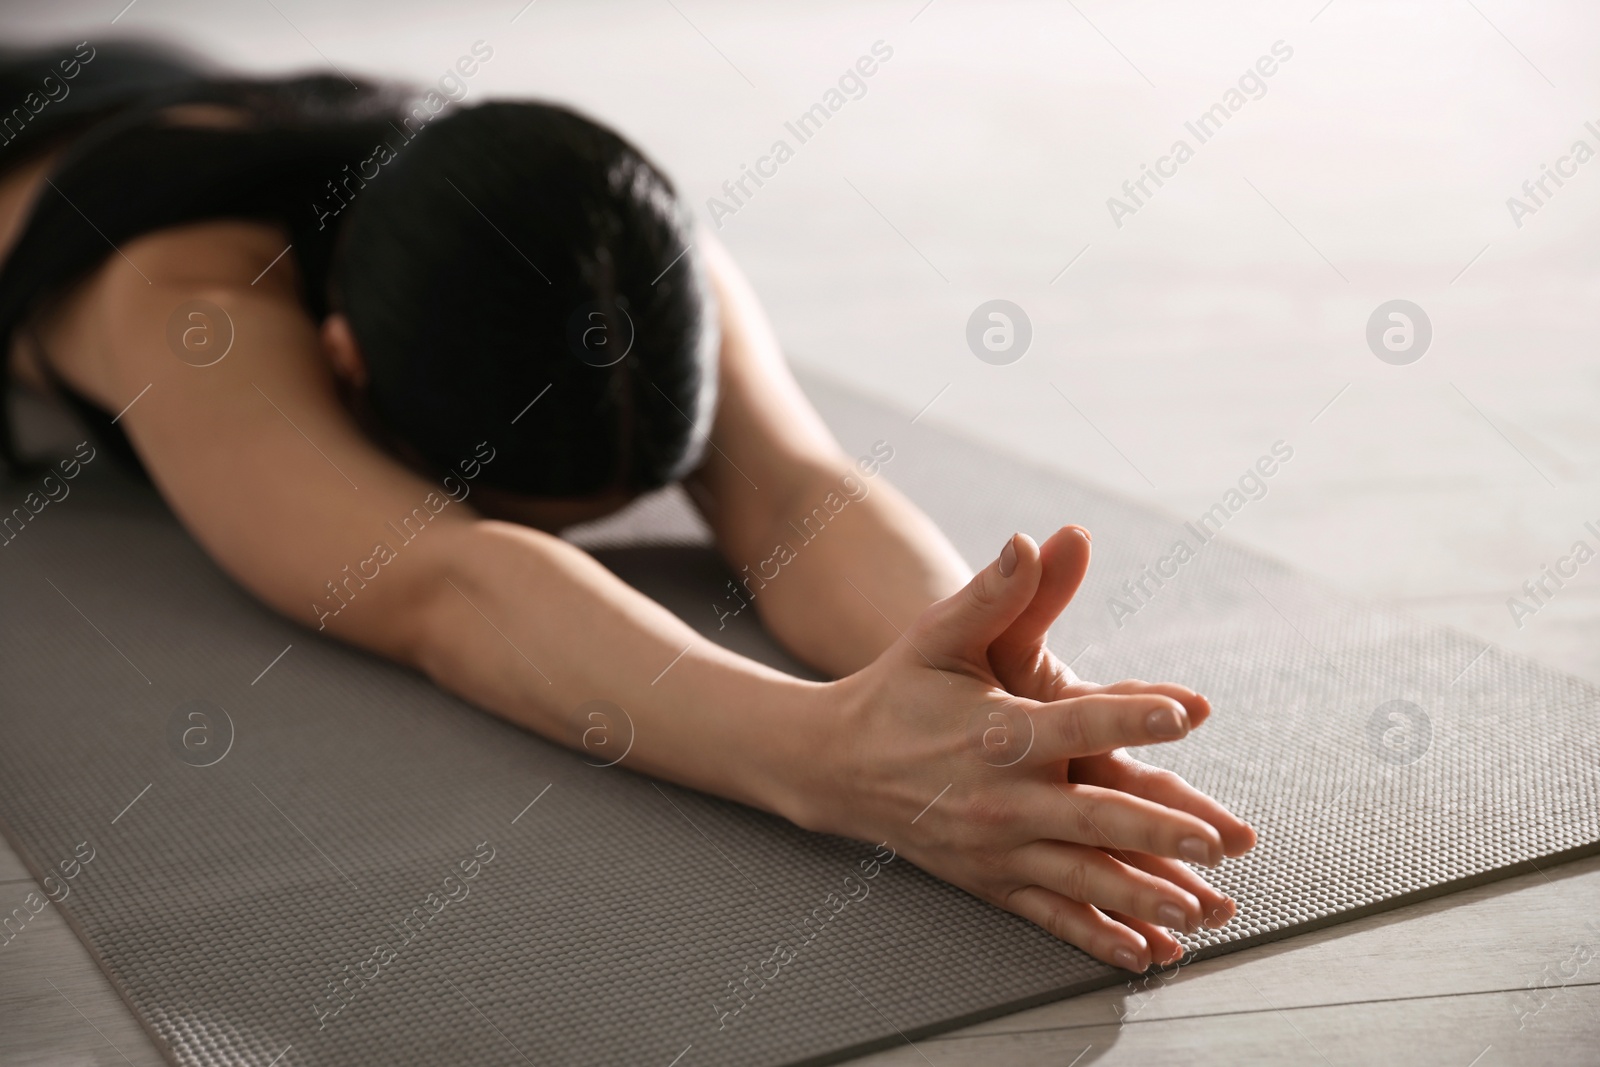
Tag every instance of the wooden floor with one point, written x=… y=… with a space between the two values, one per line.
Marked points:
x=1228 y=312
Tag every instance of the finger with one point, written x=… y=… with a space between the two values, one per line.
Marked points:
x=1216 y=908
x=1064 y=560
x=1164 y=948
x=1090 y=876
x=1125 y=773
x=1198 y=707
x=1114 y=820
x=1077 y=923
x=962 y=626
x=1089 y=725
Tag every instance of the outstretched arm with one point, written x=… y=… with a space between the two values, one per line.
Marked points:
x=837 y=562
x=270 y=474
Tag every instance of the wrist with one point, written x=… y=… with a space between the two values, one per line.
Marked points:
x=802 y=775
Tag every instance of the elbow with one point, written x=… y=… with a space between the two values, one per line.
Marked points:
x=460 y=584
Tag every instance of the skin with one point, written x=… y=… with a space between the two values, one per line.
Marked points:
x=939 y=674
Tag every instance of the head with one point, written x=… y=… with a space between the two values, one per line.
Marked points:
x=503 y=286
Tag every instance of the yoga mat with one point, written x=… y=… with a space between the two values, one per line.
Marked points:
x=347 y=866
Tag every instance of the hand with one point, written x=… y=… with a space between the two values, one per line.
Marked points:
x=900 y=757
x=1026 y=667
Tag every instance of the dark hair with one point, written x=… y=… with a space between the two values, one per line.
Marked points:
x=514 y=251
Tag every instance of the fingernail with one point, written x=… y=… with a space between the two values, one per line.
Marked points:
x=1086 y=534
x=1008 y=558
x=1172 y=917
x=1165 y=722
x=1220 y=916
x=1126 y=959
x=1195 y=850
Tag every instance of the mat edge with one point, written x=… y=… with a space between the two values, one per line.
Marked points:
x=1363 y=911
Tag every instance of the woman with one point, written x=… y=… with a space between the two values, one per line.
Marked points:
x=309 y=306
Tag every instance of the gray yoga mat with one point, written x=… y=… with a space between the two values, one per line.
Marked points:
x=583 y=914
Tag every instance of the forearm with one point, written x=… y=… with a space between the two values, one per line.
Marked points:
x=834 y=561
x=534 y=630
x=847 y=567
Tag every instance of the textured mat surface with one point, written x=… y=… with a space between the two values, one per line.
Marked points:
x=370 y=872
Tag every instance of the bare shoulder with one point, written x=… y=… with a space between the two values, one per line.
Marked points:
x=233 y=409
x=218 y=251
x=103 y=334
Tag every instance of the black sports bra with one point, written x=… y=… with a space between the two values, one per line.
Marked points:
x=129 y=169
